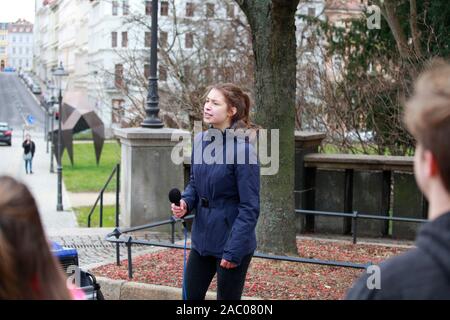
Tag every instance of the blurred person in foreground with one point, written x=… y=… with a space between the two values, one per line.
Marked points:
x=424 y=272
x=28 y=270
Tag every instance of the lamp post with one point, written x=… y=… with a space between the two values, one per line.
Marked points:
x=46 y=129
x=52 y=121
x=58 y=74
x=48 y=113
x=152 y=120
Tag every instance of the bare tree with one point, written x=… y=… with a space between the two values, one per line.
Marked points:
x=218 y=50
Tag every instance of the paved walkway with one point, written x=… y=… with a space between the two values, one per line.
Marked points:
x=42 y=183
x=87 y=199
x=93 y=250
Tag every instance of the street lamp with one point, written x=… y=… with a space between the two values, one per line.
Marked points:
x=152 y=120
x=52 y=121
x=58 y=75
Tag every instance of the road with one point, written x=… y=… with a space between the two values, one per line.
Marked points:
x=17 y=102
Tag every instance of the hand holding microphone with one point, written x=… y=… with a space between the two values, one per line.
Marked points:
x=179 y=206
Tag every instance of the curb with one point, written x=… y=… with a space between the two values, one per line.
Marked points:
x=129 y=290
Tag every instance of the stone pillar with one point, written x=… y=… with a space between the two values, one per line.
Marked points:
x=148 y=173
x=305 y=143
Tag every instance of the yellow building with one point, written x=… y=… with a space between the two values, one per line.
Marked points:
x=3 y=45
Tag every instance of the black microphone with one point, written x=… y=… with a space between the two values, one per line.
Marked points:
x=175 y=197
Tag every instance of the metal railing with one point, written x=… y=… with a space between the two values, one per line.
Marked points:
x=119 y=236
x=116 y=172
x=355 y=216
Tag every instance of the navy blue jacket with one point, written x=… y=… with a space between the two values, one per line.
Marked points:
x=226 y=227
x=421 y=273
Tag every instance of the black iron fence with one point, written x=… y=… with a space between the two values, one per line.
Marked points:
x=120 y=236
x=355 y=216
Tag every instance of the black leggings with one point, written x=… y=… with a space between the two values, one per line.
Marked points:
x=200 y=271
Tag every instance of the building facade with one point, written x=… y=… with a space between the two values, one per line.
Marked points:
x=3 y=45
x=105 y=47
x=20 y=45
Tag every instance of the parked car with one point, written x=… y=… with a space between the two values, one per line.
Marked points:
x=5 y=133
x=9 y=69
x=36 y=89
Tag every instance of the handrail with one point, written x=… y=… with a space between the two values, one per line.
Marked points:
x=116 y=170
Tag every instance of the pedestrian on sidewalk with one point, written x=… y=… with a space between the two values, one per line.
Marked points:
x=28 y=153
x=28 y=269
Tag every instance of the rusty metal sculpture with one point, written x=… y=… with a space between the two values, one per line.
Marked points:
x=78 y=115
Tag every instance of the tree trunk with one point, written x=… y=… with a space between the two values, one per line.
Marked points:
x=415 y=33
x=389 y=10
x=274 y=45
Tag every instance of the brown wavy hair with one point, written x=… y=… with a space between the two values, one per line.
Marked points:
x=28 y=269
x=235 y=97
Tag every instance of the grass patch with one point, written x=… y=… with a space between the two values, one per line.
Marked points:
x=85 y=175
x=83 y=135
x=109 y=216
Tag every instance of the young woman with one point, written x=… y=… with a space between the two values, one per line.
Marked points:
x=28 y=153
x=225 y=195
x=28 y=270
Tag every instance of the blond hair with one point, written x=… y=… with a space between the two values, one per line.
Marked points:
x=427 y=115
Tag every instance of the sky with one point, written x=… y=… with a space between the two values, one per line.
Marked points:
x=12 y=10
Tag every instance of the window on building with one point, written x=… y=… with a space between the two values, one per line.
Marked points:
x=229 y=40
x=118 y=110
x=190 y=9
x=162 y=73
x=164 y=8
x=148 y=39
x=148 y=8
x=312 y=12
x=207 y=73
x=125 y=7
x=14 y=50
x=115 y=8
x=124 y=39
x=189 y=40
x=230 y=11
x=187 y=71
x=209 y=39
x=146 y=71
x=114 y=39
x=118 y=76
x=163 y=39
x=210 y=10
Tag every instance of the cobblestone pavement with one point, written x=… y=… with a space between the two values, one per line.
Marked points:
x=94 y=250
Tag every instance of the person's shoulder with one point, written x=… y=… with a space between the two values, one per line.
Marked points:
x=398 y=278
